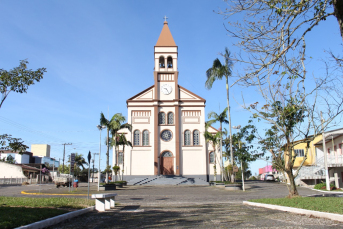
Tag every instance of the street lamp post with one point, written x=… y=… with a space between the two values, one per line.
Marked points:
x=99 y=128
x=239 y=145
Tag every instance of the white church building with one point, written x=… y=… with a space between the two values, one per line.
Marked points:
x=168 y=124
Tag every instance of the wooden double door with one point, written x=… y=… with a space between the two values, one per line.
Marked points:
x=167 y=163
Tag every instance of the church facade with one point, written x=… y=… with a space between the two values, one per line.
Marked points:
x=168 y=124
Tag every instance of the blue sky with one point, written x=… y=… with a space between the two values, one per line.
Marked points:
x=100 y=53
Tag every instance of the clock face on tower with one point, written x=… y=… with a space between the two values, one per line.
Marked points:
x=166 y=135
x=166 y=89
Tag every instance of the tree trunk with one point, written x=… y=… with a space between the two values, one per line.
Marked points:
x=122 y=174
x=338 y=12
x=292 y=187
x=114 y=156
x=221 y=154
x=107 y=156
x=229 y=116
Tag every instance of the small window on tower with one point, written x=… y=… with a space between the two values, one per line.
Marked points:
x=161 y=62
x=170 y=62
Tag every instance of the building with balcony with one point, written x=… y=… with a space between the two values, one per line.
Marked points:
x=313 y=169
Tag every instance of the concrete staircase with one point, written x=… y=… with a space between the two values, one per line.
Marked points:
x=167 y=180
x=312 y=172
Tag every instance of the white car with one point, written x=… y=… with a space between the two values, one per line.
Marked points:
x=269 y=177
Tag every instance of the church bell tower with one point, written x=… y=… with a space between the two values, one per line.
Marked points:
x=166 y=74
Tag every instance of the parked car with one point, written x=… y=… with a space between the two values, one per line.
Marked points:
x=269 y=177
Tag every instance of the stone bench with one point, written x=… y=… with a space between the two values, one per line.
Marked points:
x=104 y=201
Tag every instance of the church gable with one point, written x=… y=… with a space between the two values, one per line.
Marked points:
x=212 y=130
x=146 y=95
x=188 y=95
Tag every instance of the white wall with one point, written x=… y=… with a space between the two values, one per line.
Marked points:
x=194 y=162
x=142 y=162
x=11 y=170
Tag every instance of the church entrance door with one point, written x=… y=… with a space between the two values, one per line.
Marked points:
x=167 y=163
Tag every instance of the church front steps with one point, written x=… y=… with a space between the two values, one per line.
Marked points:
x=167 y=180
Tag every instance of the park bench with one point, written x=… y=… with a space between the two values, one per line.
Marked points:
x=104 y=201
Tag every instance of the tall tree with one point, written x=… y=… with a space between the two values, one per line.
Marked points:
x=80 y=161
x=14 y=144
x=18 y=79
x=244 y=147
x=214 y=140
x=118 y=123
x=123 y=142
x=272 y=37
x=113 y=125
x=217 y=72
x=221 y=118
x=107 y=123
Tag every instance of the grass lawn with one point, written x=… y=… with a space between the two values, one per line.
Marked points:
x=323 y=204
x=19 y=211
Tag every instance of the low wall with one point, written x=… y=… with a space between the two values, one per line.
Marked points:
x=11 y=170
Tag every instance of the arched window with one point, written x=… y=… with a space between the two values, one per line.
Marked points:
x=136 y=138
x=187 y=137
x=145 y=138
x=196 y=137
x=120 y=158
x=170 y=62
x=167 y=154
x=161 y=118
x=211 y=157
x=170 y=118
x=161 y=62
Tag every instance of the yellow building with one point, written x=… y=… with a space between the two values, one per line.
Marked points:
x=300 y=151
x=313 y=170
x=40 y=150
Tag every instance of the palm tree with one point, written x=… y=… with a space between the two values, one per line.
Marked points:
x=80 y=161
x=107 y=123
x=118 y=124
x=214 y=139
x=217 y=72
x=221 y=118
x=113 y=126
x=124 y=142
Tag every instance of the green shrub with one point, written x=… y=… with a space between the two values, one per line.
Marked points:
x=320 y=185
x=113 y=183
x=116 y=168
x=323 y=186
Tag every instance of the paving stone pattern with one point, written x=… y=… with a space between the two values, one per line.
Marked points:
x=197 y=207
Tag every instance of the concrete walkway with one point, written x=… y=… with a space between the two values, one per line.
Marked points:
x=197 y=207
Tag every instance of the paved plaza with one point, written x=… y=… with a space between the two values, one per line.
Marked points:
x=190 y=207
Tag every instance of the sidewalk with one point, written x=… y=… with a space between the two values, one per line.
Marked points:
x=197 y=207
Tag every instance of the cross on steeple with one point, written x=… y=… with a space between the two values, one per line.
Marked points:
x=165 y=18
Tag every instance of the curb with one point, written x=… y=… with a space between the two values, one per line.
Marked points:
x=52 y=194
x=332 y=192
x=326 y=215
x=57 y=219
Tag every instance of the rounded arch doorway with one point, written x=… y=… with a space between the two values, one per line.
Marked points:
x=167 y=163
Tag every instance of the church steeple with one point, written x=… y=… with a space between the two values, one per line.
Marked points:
x=166 y=73
x=166 y=51
x=166 y=38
